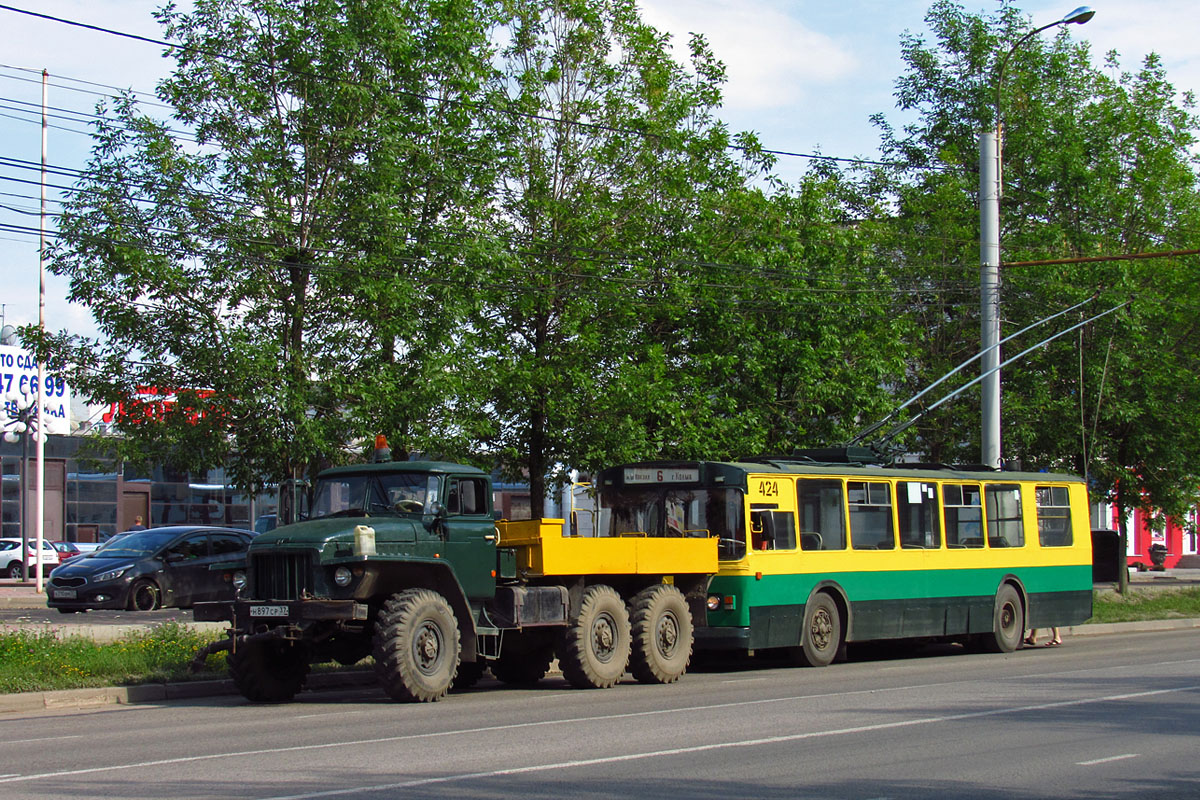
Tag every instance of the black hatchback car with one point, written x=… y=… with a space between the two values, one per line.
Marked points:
x=150 y=569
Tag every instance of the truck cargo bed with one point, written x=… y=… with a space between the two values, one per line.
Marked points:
x=542 y=550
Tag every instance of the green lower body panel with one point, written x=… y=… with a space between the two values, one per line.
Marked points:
x=770 y=613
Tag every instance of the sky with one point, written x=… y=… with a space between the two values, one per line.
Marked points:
x=806 y=75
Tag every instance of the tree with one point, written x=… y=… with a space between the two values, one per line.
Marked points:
x=615 y=154
x=1096 y=163
x=286 y=255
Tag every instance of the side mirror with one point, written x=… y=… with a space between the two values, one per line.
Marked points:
x=437 y=514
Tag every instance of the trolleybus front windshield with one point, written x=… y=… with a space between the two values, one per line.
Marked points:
x=672 y=511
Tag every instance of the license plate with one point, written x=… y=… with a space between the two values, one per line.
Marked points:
x=64 y=594
x=268 y=611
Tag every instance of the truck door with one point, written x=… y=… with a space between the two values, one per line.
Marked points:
x=470 y=532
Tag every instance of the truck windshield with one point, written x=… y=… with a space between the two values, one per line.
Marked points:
x=367 y=494
x=671 y=511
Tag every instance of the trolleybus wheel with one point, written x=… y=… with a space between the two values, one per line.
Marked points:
x=268 y=671
x=822 y=632
x=595 y=647
x=416 y=646
x=1008 y=621
x=662 y=634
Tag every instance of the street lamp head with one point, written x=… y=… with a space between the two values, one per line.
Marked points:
x=1078 y=16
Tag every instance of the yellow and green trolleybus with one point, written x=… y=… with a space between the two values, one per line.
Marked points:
x=824 y=549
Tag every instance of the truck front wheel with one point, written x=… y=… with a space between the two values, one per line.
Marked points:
x=662 y=635
x=268 y=671
x=416 y=646
x=595 y=647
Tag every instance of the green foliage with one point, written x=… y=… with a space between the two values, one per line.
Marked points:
x=283 y=263
x=40 y=660
x=1096 y=162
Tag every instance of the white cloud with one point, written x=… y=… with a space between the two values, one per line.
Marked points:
x=772 y=59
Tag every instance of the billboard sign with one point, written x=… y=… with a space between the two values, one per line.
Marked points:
x=19 y=392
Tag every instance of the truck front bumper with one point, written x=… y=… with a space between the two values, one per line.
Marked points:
x=248 y=616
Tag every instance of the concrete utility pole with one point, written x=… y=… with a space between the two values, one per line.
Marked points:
x=991 y=148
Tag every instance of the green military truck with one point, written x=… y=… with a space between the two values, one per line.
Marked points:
x=405 y=562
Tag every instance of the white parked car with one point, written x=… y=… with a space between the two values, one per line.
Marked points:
x=10 y=558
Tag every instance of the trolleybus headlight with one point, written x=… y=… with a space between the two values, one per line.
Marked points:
x=239 y=580
x=342 y=576
x=714 y=602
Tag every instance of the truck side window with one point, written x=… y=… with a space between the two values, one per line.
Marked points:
x=466 y=496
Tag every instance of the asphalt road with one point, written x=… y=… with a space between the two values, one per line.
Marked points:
x=1101 y=717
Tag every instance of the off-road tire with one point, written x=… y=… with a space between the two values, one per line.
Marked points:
x=594 y=650
x=416 y=646
x=662 y=635
x=268 y=671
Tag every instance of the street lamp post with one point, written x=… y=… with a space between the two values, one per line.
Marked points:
x=22 y=421
x=990 y=188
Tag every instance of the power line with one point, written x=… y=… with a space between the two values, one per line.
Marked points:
x=422 y=97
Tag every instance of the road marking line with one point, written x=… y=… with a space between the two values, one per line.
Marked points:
x=702 y=748
x=611 y=759
x=43 y=739
x=1106 y=760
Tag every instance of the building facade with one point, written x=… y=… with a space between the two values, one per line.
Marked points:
x=89 y=497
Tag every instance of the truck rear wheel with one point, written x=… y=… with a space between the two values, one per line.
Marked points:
x=595 y=647
x=268 y=671
x=416 y=646
x=662 y=635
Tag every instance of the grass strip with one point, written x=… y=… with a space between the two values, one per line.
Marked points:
x=37 y=660
x=1135 y=606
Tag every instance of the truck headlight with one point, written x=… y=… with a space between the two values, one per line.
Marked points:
x=342 y=576
x=713 y=602
x=239 y=580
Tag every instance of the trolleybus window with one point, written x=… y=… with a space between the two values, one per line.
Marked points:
x=662 y=511
x=964 y=515
x=870 y=515
x=1053 y=516
x=1006 y=525
x=772 y=530
x=917 y=510
x=822 y=514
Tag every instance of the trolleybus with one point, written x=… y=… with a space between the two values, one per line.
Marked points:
x=825 y=548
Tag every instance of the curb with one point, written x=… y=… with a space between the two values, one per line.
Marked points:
x=100 y=697
x=81 y=699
